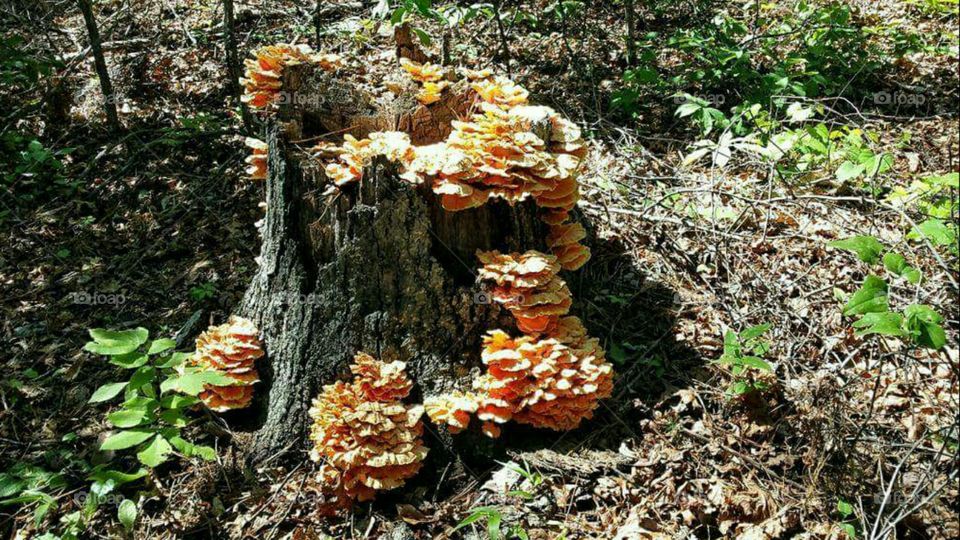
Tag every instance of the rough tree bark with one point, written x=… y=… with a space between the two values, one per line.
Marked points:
x=379 y=267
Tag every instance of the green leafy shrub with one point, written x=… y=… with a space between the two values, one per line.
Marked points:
x=744 y=352
x=156 y=398
x=917 y=324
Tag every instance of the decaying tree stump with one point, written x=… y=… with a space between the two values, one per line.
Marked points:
x=378 y=266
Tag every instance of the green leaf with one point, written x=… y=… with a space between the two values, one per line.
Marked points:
x=850 y=170
x=158 y=346
x=156 y=452
x=923 y=323
x=127 y=514
x=175 y=360
x=189 y=449
x=110 y=343
x=174 y=417
x=897 y=264
x=731 y=344
x=936 y=231
x=870 y=298
x=424 y=37
x=130 y=360
x=845 y=508
x=142 y=376
x=118 y=478
x=849 y=530
x=192 y=381
x=617 y=354
x=755 y=363
x=176 y=401
x=867 y=248
x=107 y=392
x=754 y=331
x=125 y=439
x=127 y=418
x=885 y=323
x=740 y=387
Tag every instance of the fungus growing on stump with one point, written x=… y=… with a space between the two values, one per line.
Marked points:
x=231 y=349
x=365 y=438
x=378 y=199
x=257 y=160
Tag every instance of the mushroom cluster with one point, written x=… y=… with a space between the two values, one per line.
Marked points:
x=430 y=77
x=355 y=154
x=257 y=160
x=540 y=382
x=527 y=284
x=366 y=439
x=231 y=349
x=554 y=376
x=263 y=75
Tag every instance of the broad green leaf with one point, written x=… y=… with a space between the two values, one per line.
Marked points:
x=849 y=530
x=109 y=342
x=192 y=381
x=142 y=376
x=127 y=418
x=118 y=478
x=127 y=514
x=897 y=264
x=886 y=323
x=849 y=170
x=731 y=344
x=754 y=331
x=158 y=346
x=867 y=248
x=870 y=298
x=845 y=508
x=755 y=362
x=189 y=449
x=130 y=360
x=107 y=392
x=938 y=232
x=175 y=360
x=156 y=452
x=174 y=417
x=924 y=323
x=176 y=401
x=125 y=439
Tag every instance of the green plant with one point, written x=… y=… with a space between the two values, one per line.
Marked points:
x=448 y=15
x=845 y=510
x=28 y=485
x=493 y=518
x=203 y=291
x=744 y=352
x=702 y=114
x=758 y=55
x=918 y=324
x=160 y=390
x=938 y=232
x=934 y=196
x=533 y=478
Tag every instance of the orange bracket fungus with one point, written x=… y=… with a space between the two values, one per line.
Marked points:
x=554 y=376
x=366 y=439
x=231 y=349
x=262 y=81
x=257 y=160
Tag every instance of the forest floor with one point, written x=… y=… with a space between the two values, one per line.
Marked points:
x=836 y=432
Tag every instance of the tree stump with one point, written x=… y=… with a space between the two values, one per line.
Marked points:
x=378 y=266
